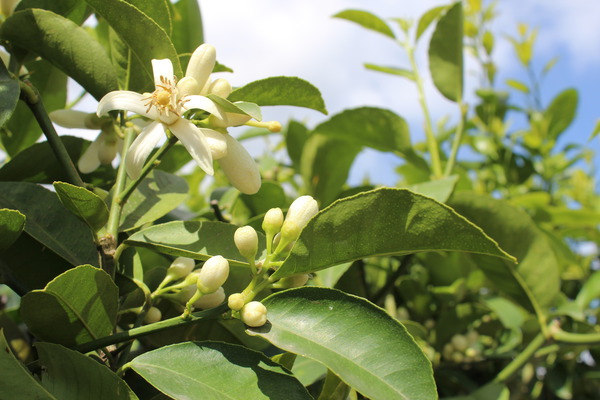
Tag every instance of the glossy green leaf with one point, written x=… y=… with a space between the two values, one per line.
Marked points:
x=187 y=23
x=367 y=20
x=561 y=112
x=155 y=196
x=240 y=107
x=377 y=128
x=439 y=190
x=535 y=280
x=17 y=382
x=491 y=391
x=383 y=222
x=307 y=370
x=280 y=91
x=83 y=203
x=64 y=44
x=12 y=223
x=159 y=11
x=70 y=375
x=199 y=240
x=145 y=38
x=427 y=18
x=49 y=222
x=334 y=388
x=9 y=94
x=77 y=306
x=446 y=54
x=74 y=10
x=215 y=370
x=403 y=72
x=332 y=327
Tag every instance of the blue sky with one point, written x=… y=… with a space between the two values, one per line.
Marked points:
x=262 y=38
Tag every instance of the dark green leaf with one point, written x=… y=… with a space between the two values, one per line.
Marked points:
x=561 y=112
x=280 y=91
x=383 y=222
x=427 y=18
x=70 y=375
x=9 y=94
x=446 y=54
x=75 y=10
x=12 y=223
x=158 y=11
x=76 y=307
x=270 y=195
x=187 y=24
x=64 y=44
x=216 y=371
x=83 y=203
x=403 y=72
x=367 y=20
x=360 y=342
x=373 y=127
x=195 y=239
x=296 y=135
x=491 y=391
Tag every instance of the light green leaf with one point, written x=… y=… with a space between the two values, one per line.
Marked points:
x=64 y=44
x=446 y=54
x=377 y=128
x=155 y=196
x=9 y=94
x=239 y=107
x=49 y=222
x=83 y=203
x=360 y=342
x=12 y=223
x=367 y=20
x=561 y=112
x=439 y=190
x=158 y=11
x=517 y=85
x=199 y=240
x=70 y=375
x=75 y=10
x=215 y=370
x=145 y=38
x=76 y=307
x=383 y=222
x=17 y=382
x=187 y=23
x=596 y=130
x=491 y=391
x=427 y=18
x=589 y=291
x=392 y=70
x=280 y=91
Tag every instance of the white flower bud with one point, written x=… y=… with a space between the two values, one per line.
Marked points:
x=298 y=215
x=254 y=314
x=153 y=315
x=187 y=86
x=181 y=267
x=201 y=64
x=272 y=221
x=107 y=149
x=240 y=168
x=210 y=300
x=216 y=142
x=221 y=87
x=459 y=342
x=213 y=274
x=246 y=241
x=292 y=281
x=185 y=294
x=236 y=301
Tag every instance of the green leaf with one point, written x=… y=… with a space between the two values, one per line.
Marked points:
x=446 y=54
x=491 y=391
x=64 y=44
x=383 y=222
x=199 y=240
x=280 y=91
x=517 y=85
x=155 y=196
x=187 y=26
x=596 y=130
x=270 y=195
x=439 y=190
x=145 y=38
x=49 y=222
x=589 y=291
x=70 y=375
x=536 y=279
x=240 y=107
x=83 y=203
x=367 y=20
x=377 y=128
x=296 y=135
x=9 y=94
x=74 y=10
x=12 y=223
x=17 y=382
x=561 y=112
x=181 y=371
x=158 y=11
x=360 y=342
x=427 y=18
x=405 y=73
x=76 y=307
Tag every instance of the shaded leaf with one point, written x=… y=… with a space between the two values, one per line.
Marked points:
x=76 y=307
x=187 y=23
x=330 y=326
x=296 y=135
x=367 y=20
x=491 y=391
x=12 y=223
x=9 y=94
x=235 y=372
x=83 y=203
x=74 y=10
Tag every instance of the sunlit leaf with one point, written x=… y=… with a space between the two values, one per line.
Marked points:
x=561 y=112
x=367 y=20
x=405 y=73
x=427 y=18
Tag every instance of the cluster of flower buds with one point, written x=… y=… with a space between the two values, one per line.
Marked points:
x=463 y=348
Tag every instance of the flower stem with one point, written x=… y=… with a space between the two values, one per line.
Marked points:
x=457 y=139
x=31 y=96
x=522 y=359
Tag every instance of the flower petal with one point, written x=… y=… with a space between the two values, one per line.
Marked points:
x=162 y=67
x=240 y=168
x=128 y=101
x=216 y=142
x=89 y=161
x=72 y=119
x=141 y=148
x=201 y=64
x=194 y=141
x=203 y=103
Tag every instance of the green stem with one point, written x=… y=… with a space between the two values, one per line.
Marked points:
x=135 y=333
x=457 y=139
x=587 y=339
x=519 y=361
x=31 y=97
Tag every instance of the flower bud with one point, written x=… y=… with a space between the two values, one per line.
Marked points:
x=272 y=221
x=298 y=215
x=221 y=87
x=254 y=314
x=236 y=301
x=153 y=315
x=210 y=300
x=188 y=86
x=213 y=274
x=185 y=294
x=246 y=241
x=240 y=168
x=217 y=143
x=201 y=64
x=107 y=149
x=459 y=342
x=292 y=281
x=181 y=267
